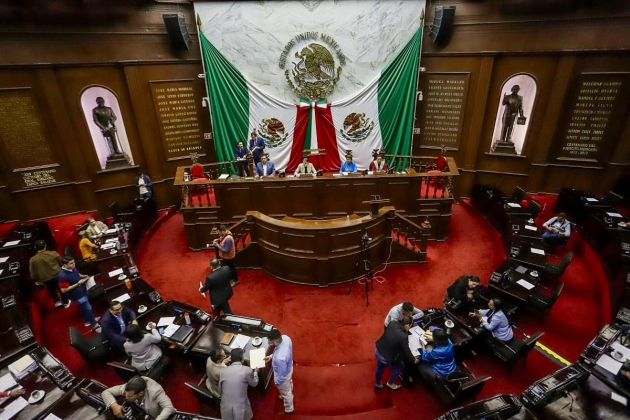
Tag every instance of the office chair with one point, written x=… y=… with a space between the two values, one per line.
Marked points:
x=534 y=208
x=543 y=303
x=203 y=396
x=460 y=386
x=554 y=271
x=91 y=349
x=514 y=350
x=612 y=199
x=125 y=371
x=518 y=194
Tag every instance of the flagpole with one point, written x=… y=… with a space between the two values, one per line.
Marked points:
x=417 y=79
x=205 y=82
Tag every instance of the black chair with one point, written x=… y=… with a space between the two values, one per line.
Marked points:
x=533 y=208
x=203 y=396
x=543 y=303
x=460 y=386
x=514 y=350
x=125 y=371
x=554 y=271
x=90 y=349
x=88 y=267
x=518 y=194
x=612 y=199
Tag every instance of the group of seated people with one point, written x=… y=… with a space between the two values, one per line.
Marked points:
x=437 y=360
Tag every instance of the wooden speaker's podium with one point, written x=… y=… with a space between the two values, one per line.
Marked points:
x=375 y=204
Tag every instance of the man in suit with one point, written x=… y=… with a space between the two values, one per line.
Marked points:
x=233 y=388
x=143 y=392
x=95 y=229
x=392 y=349
x=256 y=146
x=114 y=323
x=218 y=283
x=265 y=167
x=305 y=168
x=241 y=159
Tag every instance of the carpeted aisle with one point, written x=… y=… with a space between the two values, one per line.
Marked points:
x=334 y=332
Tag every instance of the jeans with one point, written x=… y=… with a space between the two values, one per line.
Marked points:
x=53 y=289
x=381 y=364
x=86 y=310
x=554 y=238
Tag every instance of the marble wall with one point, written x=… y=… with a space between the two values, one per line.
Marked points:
x=253 y=34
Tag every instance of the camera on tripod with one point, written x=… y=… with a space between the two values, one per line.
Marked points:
x=365 y=239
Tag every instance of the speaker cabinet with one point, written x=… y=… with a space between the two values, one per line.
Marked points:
x=176 y=28
x=442 y=26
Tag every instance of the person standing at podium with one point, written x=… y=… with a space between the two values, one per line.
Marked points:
x=256 y=147
x=227 y=251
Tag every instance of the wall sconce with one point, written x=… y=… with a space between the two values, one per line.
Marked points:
x=420 y=96
x=204 y=102
x=201 y=75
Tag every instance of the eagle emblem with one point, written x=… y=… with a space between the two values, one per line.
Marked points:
x=313 y=72
x=356 y=127
x=273 y=131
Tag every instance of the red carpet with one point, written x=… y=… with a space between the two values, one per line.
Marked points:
x=334 y=333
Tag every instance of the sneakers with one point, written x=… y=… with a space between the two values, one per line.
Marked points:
x=57 y=304
x=67 y=304
x=87 y=324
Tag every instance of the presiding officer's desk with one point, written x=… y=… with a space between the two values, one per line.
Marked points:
x=199 y=321
x=322 y=197
x=236 y=324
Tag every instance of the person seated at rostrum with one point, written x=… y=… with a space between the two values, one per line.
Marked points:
x=265 y=167
x=463 y=288
x=392 y=350
x=215 y=363
x=378 y=165
x=87 y=247
x=403 y=309
x=95 y=228
x=115 y=322
x=144 y=350
x=348 y=166
x=440 y=360
x=495 y=321
x=305 y=168
x=557 y=229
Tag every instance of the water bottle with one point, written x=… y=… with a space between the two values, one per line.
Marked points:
x=187 y=318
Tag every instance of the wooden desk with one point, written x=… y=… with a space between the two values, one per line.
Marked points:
x=515 y=291
x=139 y=295
x=607 y=377
x=15 y=320
x=10 y=275
x=80 y=403
x=458 y=335
x=315 y=198
x=576 y=203
x=106 y=254
x=177 y=309
x=120 y=262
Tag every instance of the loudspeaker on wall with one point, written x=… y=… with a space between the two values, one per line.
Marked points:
x=176 y=28
x=442 y=26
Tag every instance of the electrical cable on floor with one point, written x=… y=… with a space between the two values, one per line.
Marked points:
x=375 y=276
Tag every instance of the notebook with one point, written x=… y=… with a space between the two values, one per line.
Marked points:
x=182 y=333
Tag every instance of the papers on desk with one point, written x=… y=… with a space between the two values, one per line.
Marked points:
x=110 y=231
x=618 y=398
x=521 y=270
x=514 y=205
x=170 y=330
x=224 y=176
x=616 y=346
x=12 y=409
x=419 y=332
x=21 y=367
x=337 y=174
x=610 y=364
x=51 y=416
x=257 y=358
x=108 y=245
x=4 y=259
x=611 y=214
x=123 y=298
x=11 y=243
x=7 y=382
x=111 y=240
x=240 y=341
x=530 y=227
x=538 y=251
x=165 y=320
x=115 y=273
x=525 y=284
x=591 y=199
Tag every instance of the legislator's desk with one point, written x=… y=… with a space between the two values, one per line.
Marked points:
x=112 y=270
x=121 y=247
x=498 y=207
x=520 y=230
x=323 y=197
x=199 y=321
x=136 y=218
x=235 y=324
x=577 y=203
x=600 y=226
x=10 y=274
x=141 y=293
x=518 y=293
x=180 y=415
x=436 y=317
x=16 y=336
x=82 y=402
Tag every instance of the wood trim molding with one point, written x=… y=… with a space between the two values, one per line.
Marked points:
x=480 y=100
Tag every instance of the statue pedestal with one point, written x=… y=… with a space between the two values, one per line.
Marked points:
x=505 y=147
x=116 y=161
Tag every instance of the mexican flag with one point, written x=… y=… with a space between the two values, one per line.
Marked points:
x=238 y=107
x=378 y=116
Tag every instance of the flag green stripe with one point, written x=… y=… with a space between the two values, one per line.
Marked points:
x=397 y=98
x=229 y=100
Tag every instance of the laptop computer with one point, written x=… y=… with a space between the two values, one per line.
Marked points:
x=182 y=333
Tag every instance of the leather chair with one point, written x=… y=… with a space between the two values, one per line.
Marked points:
x=518 y=194
x=125 y=371
x=515 y=350
x=460 y=386
x=554 y=271
x=88 y=267
x=534 y=208
x=612 y=199
x=543 y=303
x=90 y=349
x=203 y=396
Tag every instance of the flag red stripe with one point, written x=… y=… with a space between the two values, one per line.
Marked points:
x=326 y=139
x=299 y=134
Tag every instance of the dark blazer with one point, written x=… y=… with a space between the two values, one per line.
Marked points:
x=218 y=283
x=111 y=327
x=147 y=183
x=394 y=343
x=271 y=170
x=240 y=153
x=458 y=289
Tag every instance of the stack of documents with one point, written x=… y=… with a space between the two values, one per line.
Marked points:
x=12 y=409
x=240 y=341
x=23 y=366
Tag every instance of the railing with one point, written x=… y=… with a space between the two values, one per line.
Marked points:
x=409 y=234
x=433 y=184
